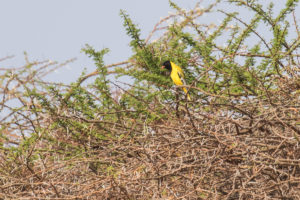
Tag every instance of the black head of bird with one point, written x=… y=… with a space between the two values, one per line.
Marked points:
x=167 y=65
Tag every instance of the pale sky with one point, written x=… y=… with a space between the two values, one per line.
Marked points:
x=58 y=29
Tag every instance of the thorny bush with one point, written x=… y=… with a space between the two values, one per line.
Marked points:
x=238 y=138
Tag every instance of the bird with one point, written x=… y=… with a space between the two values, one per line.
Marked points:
x=176 y=75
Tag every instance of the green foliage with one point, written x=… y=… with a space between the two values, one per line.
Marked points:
x=227 y=74
x=132 y=31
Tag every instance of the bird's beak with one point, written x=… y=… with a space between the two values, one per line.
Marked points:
x=162 y=67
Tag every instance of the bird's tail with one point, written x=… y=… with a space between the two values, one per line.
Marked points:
x=188 y=96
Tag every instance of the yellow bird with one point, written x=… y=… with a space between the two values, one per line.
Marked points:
x=176 y=75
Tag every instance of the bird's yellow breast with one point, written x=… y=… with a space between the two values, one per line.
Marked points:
x=175 y=77
x=176 y=73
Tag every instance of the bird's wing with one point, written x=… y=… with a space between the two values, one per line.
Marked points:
x=177 y=68
x=181 y=76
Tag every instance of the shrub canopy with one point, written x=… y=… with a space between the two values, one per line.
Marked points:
x=238 y=138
